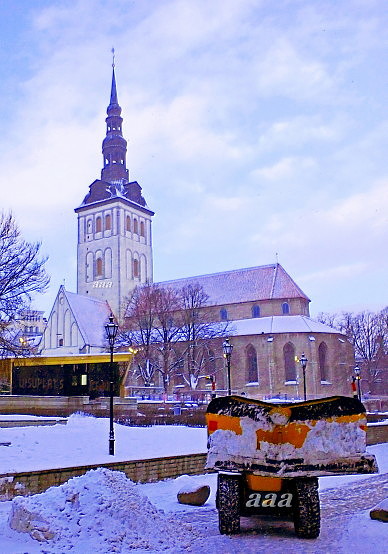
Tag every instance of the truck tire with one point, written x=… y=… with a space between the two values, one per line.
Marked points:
x=307 y=514
x=228 y=501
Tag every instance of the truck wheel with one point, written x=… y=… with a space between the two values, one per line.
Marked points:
x=307 y=516
x=228 y=501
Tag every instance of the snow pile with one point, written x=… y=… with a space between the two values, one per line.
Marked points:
x=326 y=441
x=102 y=507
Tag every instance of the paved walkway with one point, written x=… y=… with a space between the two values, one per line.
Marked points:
x=343 y=514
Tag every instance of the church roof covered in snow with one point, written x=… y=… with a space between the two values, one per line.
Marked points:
x=266 y=282
x=279 y=324
x=91 y=315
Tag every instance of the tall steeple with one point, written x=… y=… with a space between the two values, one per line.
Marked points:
x=114 y=252
x=114 y=145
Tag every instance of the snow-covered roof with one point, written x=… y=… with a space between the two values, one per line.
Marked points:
x=266 y=282
x=279 y=324
x=91 y=315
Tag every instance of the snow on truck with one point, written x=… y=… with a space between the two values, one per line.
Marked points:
x=269 y=456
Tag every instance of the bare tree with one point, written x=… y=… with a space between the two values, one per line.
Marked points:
x=198 y=331
x=368 y=332
x=152 y=327
x=22 y=274
x=138 y=331
x=172 y=330
x=168 y=334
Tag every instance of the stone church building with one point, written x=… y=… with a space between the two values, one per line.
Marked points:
x=268 y=313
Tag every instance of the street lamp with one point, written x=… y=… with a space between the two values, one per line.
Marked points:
x=357 y=372
x=303 y=362
x=111 y=329
x=227 y=348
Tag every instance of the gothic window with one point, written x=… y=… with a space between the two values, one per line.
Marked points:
x=89 y=267
x=108 y=263
x=223 y=314
x=89 y=226
x=142 y=230
x=128 y=223
x=99 y=267
x=289 y=362
x=136 y=269
x=322 y=361
x=285 y=308
x=252 y=373
x=107 y=222
x=98 y=225
x=255 y=311
x=74 y=335
x=143 y=268
x=135 y=226
x=128 y=259
x=66 y=328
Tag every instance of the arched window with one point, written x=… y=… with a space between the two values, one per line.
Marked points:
x=136 y=268
x=256 y=311
x=128 y=223
x=89 y=267
x=289 y=362
x=224 y=314
x=108 y=223
x=285 y=308
x=252 y=373
x=142 y=229
x=143 y=268
x=99 y=267
x=108 y=263
x=98 y=224
x=74 y=335
x=129 y=264
x=135 y=226
x=322 y=361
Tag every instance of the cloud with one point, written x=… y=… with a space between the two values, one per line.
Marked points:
x=253 y=128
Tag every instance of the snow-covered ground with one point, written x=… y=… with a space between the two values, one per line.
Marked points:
x=103 y=512
x=84 y=440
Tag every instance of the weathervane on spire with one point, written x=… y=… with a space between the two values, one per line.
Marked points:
x=113 y=58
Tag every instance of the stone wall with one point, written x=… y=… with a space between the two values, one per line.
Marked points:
x=142 y=471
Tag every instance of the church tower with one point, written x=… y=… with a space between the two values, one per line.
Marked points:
x=114 y=224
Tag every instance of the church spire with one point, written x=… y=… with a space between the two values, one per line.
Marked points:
x=114 y=146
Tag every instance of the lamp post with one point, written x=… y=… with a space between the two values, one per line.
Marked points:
x=111 y=329
x=227 y=348
x=357 y=372
x=303 y=362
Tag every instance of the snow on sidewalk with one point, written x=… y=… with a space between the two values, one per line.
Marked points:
x=84 y=440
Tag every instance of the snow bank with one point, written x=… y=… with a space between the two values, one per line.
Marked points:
x=326 y=441
x=102 y=508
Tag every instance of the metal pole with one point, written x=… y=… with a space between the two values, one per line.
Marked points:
x=111 y=429
x=358 y=387
x=229 y=386
x=304 y=381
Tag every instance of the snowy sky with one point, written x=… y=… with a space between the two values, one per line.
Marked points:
x=254 y=127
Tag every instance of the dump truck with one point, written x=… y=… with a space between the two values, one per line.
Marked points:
x=269 y=456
